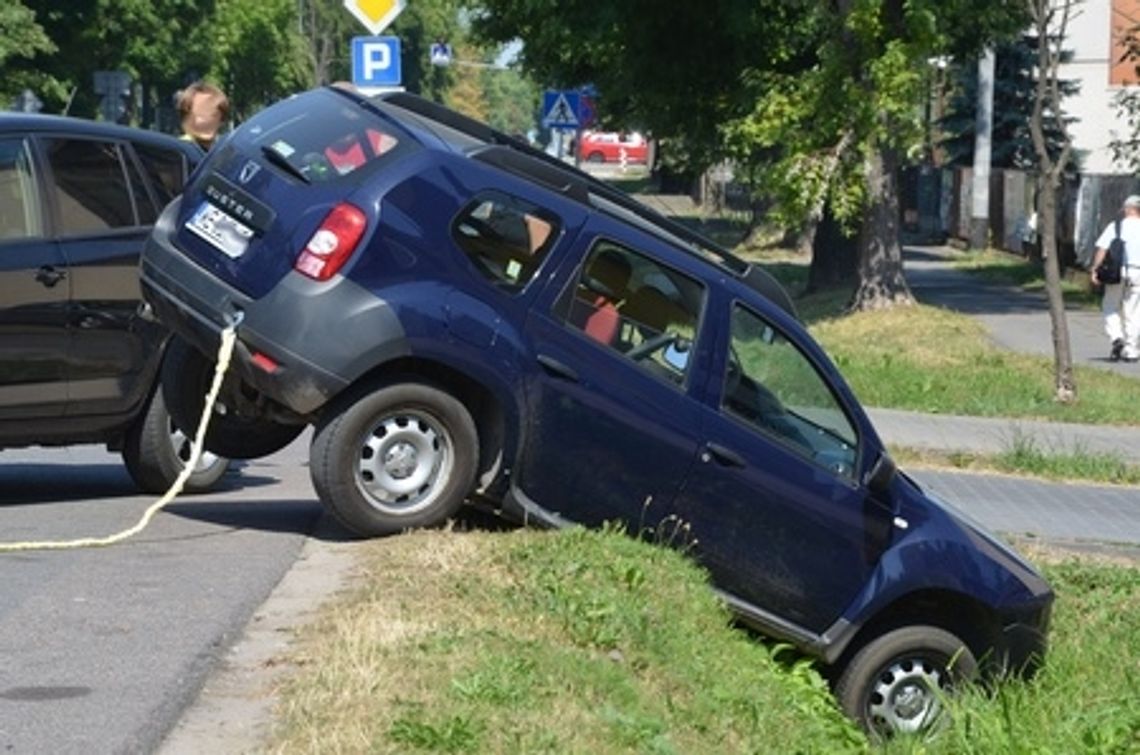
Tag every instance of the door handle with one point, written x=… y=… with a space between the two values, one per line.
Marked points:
x=723 y=455
x=557 y=369
x=49 y=275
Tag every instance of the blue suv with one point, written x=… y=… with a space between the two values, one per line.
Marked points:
x=464 y=318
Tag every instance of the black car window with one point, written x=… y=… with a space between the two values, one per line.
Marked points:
x=144 y=203
x=770 y=384
x=638 y=307
x=90 y=185
x=166 y=169
x=21 y=215
x=505 y=237
x=322 y=137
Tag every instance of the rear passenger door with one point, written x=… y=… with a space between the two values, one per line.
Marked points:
x=105 y=211
x=34 y=292
x=611 y=428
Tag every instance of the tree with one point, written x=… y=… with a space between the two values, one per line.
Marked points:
x=1050 y=24
x=818 y=100
x=1015 y=83
x=21 y=36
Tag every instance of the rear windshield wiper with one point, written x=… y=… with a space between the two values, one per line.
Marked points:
x=280 y=161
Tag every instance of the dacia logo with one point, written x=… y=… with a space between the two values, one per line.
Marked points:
x=248 y=171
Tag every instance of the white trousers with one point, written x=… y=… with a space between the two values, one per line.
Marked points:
x=1121 y=310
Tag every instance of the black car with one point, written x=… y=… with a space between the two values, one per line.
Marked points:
x=77 y=362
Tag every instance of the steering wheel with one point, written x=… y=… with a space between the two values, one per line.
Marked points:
x=650 y=345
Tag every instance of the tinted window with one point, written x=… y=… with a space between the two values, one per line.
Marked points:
x=166 y=169
x=323 y=136
x=144 y=203
x=21 y=216
x=638 y=307
x=90 y=185
x=505 y=237
x=773 y=386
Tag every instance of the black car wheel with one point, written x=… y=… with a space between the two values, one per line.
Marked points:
x=155 y=452
x=397 y=457
x=595 y=157
x=896 y=683
x=186 y=379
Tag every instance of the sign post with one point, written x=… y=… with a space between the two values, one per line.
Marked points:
x=376 y=15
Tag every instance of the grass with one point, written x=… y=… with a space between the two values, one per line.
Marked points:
x=1003 y=268
x=588 y=641
x=1026 y=458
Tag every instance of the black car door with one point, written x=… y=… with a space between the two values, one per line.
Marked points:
x=105 y=212
x=34 y=293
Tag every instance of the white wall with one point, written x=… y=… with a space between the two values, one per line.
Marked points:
x=1098 y=124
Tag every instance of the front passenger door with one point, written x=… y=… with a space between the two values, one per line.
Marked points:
x=773 y=504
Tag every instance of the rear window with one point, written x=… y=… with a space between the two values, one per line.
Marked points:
x=322 y=136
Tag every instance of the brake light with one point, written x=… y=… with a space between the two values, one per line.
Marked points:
x=333 y=243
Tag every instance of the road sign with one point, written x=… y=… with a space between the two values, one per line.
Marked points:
x=376 y=15
x=376 y=61
x=560 y=109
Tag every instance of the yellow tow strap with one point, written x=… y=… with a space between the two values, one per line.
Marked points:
x=225 y=351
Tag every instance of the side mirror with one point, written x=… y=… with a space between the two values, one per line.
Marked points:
x=879 y=479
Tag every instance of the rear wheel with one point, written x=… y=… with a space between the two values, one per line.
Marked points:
x=186 y=379
x=155 y=452
x=595 y=157
x=897 y=682
x=396 y=457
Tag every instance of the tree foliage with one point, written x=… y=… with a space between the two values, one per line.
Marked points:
x=817 y=102
x=1014 y=86
x=21 y=36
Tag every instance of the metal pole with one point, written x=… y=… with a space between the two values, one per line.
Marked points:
x=980 y=211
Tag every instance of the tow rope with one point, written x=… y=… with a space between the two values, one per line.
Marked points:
x=225 y=352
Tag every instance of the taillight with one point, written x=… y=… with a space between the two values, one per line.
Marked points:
x=333 y=243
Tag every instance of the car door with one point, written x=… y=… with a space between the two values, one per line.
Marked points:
x=104 y=213
x=773 y=504
x=611 y=425
x=34 y=292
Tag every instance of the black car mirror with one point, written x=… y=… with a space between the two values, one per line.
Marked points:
x=879 y=479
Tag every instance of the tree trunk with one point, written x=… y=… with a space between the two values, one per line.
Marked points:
x=833 y=256
x=881 y=284
x=1065 y=387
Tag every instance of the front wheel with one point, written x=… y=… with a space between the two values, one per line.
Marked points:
x=397 y=457
x=896 y=683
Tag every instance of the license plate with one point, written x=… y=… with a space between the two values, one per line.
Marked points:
x=224 y=232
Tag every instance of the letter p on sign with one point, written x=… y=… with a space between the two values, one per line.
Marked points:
x=376 y=61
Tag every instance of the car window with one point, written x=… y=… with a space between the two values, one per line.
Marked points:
x=636 y=306
x=145 y=207
x=166 y=169
x=90 y=185
x=21 y=215
x=770 y=384
x=324 y=143
x=505 y=237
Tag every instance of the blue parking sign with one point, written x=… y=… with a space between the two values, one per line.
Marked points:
x=376 y=61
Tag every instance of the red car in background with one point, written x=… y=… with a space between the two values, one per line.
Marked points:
x=608 y=147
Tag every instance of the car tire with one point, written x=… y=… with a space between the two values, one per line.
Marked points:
x=396 y=457
x=186 y=379
x=896 y=683
x=595 y=157
x=155 y=451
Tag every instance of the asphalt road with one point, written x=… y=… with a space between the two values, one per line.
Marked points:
x=101 y=650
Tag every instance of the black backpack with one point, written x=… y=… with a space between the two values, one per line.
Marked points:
x=1110 y=268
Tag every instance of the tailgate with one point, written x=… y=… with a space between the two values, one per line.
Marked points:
x=263 y=191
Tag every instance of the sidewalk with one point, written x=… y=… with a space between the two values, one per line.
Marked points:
x=1019 y=321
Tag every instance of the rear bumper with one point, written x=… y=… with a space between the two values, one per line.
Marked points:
x=320 y=335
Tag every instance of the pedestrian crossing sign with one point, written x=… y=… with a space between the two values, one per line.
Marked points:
x=560 y=109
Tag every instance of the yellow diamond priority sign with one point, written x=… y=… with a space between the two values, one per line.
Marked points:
x=376 y=15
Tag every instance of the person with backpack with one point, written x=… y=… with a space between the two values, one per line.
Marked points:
x=1121 y=303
